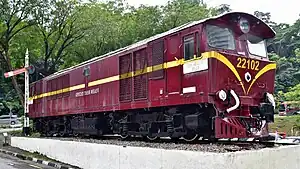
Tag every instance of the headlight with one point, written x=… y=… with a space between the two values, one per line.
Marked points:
x=244 y=25
x=222 y=95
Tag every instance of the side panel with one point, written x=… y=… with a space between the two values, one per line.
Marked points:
x=39 y=90
x=66 y=95
x=58 y=101
x=31 y=106
x=157 y=83
x=173 y=73
x=195 y=73
x=92 y=92
x=76 y=96
x=108 y=88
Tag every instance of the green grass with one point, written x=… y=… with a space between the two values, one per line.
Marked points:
x=288 y=124
x=38 y=156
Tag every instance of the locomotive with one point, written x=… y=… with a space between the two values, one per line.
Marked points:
x=209 y=78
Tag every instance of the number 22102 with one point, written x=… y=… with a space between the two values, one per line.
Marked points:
x=247 y=64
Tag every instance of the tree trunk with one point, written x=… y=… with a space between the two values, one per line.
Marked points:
x=18 y=89
x=14 y=80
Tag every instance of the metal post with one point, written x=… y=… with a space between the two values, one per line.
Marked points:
x=26 y=105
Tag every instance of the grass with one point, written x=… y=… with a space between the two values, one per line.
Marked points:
x=20 y=134
x=288 y=124
x=38 y=156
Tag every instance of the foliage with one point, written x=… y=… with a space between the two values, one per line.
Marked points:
x=293 y=94
x=14 y=18
x=289 y=124
x=116 y=24
x=58 y=30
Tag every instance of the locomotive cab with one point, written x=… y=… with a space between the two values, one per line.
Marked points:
x=240 y=74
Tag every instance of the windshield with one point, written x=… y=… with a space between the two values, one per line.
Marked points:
x=220 y=37
x=256 y=46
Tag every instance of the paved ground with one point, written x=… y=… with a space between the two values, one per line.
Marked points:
x=10 y=162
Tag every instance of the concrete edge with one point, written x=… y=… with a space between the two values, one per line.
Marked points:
x=23 y=157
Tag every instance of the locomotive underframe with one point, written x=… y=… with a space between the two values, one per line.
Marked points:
x=187 y=121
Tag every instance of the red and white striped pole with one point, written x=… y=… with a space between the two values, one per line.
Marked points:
x=14 y=72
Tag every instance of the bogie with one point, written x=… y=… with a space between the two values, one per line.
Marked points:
x=189 y=122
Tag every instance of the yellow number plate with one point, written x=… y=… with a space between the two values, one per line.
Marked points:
x=247 y=64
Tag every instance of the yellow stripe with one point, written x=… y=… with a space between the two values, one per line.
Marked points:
x=81 y=86
x=154 y=68
x=102 y=81
x=261 y=72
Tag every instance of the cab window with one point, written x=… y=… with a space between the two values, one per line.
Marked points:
x=189 y=48
x=256 y=46
x=220 y=37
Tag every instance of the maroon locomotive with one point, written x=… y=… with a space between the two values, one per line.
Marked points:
x=210 y=78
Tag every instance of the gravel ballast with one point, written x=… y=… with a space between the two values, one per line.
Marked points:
x=203 y=147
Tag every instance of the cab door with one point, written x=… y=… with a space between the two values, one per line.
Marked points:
x=173 y=71
x=194 y=76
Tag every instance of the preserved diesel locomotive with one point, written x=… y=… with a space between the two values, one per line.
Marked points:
x=210 y=78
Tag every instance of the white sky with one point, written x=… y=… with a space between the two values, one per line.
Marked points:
x=282 y=11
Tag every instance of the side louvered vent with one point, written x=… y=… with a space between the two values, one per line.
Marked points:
x=158 y=60
x=140 y=78
x=125 y=67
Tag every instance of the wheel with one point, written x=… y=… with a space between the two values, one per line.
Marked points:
x=12 y=123
x=61 y=133
x=191 y=136
x=151 y=138
x=75 y=134
x=124 y=136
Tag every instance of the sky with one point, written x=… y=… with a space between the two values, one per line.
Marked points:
x=282 y=11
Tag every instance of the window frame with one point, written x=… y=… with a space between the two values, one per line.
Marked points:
x=197 y=36
x=255 y=55
x=188 y=38
x=220 y=26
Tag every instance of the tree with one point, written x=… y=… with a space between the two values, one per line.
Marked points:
x=116 y=24
x=266 y=17
x=287 y=72
x=223 y=8
x=15 y=16
x=59 y=29
x=179 y=12
x=293 y=94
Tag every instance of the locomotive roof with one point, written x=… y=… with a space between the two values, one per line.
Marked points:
x=150 y=39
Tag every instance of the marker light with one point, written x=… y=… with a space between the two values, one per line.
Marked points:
x=244 y=25
x=222 y=95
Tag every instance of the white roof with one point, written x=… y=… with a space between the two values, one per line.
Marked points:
x=144 y=42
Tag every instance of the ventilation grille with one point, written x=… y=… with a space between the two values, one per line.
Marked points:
x=125 y=67
x=158 y=60
x=140 y=78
